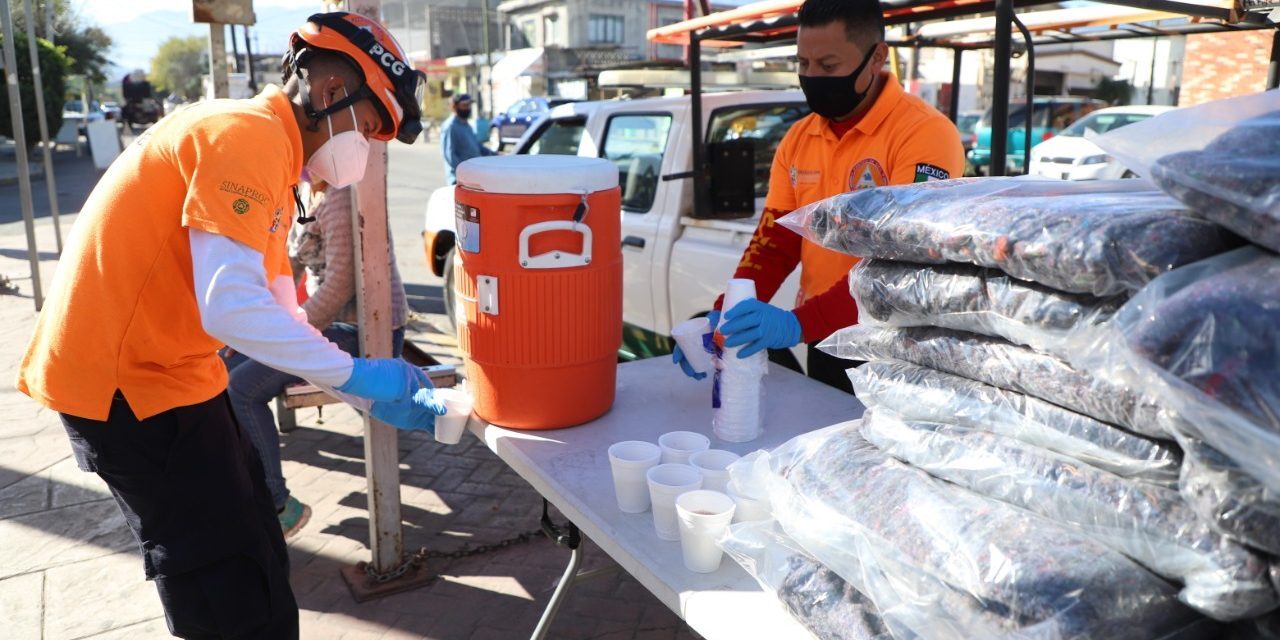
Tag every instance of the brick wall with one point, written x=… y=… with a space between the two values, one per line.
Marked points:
x=1224 y=65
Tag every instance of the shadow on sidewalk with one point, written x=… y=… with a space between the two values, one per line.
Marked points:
x=21 y=254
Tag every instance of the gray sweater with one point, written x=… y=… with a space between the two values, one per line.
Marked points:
x=324 y=248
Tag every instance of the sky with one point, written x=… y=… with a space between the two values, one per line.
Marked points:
x=139 y=26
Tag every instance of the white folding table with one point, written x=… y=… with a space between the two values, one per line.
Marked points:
x=570 y=468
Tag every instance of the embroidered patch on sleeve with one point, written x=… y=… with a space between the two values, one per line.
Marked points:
x=928 y=173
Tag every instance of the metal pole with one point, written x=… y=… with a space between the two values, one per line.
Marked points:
x=235 y=47
x=44 y=125
x=218 y=60
x=695 y=97
x=1273 y=71
x=1029 y=119
x=1151 y=80
x=248 y=56
x=1000 y=88
x=20 y=147
x=955 y=83
x=488 y=56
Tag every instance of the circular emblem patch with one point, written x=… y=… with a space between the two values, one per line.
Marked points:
x=867 y=174
x=240 y=206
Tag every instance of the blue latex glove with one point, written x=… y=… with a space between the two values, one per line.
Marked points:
x=416 y=413
x=678 y=357
x=384 y=379
x=755 y=326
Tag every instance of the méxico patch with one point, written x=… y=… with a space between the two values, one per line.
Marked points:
x=927 y=172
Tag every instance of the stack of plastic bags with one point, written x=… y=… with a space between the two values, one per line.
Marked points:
x=1068 y=384
x=939 y=561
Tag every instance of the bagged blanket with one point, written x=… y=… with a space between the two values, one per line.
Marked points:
x=1233 y=501
x=944 y=562
x=814 y=595
x=1222 y=159
x=918 y=393
x=1204 y=341
x=1150 y=524
x=1103 y=237
x=1000 y=363
x=975 y=299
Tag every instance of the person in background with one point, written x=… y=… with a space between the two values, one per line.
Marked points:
x=324 y=250
x=458 y=140
x=864 y=132
x=180 y=250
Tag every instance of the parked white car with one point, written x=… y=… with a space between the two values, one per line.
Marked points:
x=675 y=265
x=1070 y=156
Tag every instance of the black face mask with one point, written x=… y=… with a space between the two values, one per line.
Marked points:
x=835 y=96
x=463 y=113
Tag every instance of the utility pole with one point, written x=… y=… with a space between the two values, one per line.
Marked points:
x=248 y=58
x=1151 y=81
x=488 y=56
x=235 y=48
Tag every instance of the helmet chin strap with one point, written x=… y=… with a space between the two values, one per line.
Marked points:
x=304 y=87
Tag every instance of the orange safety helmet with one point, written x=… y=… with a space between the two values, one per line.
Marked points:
x=389 y=80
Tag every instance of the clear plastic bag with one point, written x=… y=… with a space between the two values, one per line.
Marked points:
x=1103 y=237
x=1150 y=524
x=918 y=393
x=1222 y=159
x=1003 y=364
x=943 y=562
x=976 y=299
x=1204 y=341
x=1231 y=500
x=814 y=595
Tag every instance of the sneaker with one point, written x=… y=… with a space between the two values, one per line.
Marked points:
x=293 y=516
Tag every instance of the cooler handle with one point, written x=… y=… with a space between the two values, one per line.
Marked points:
x=555 y=259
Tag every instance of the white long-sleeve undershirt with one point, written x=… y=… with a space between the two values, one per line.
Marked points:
x=239 y=308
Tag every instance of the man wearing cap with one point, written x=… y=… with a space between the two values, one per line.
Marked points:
x=458 y=139
x=864 y=132
x=179 y=250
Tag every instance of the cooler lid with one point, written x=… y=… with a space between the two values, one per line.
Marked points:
x=537 y=175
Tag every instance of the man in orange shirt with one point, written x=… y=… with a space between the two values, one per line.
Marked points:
x=864 y=132
x=179 y=250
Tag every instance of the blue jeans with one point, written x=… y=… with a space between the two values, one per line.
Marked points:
x=252 y=387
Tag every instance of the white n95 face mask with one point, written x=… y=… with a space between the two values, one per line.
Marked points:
x=342 y=159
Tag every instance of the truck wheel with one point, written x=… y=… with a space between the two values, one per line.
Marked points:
x=447 y=293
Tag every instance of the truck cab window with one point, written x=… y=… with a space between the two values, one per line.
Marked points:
x=558 y=137
x=636 y=144
x=764 y=124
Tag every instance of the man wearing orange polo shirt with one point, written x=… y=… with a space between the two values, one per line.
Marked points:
x=179 y=250
x=864 y=132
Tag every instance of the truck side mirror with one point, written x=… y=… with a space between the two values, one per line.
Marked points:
x=731 y=167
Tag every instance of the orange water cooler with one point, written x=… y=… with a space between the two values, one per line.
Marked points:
x=538 y=279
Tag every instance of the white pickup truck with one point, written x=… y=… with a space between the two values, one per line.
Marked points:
x=675 y=264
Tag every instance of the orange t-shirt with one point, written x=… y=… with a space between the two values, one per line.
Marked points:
x=899 y=140
x=122 y=313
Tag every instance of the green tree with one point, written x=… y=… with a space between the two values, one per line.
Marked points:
x=179 y=66
x=1114 y=92
x=54 y=64
x=86 y=45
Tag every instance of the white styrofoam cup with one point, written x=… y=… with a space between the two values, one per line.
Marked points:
x=691 y=336
x=736 y=291
x=630 y=461
x=449 y=427
x=749 y=507
x=714 y=465
x=666 y=483
x=677 y=446
x=703 y=517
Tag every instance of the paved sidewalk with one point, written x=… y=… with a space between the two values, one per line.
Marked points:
x=70 y=569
